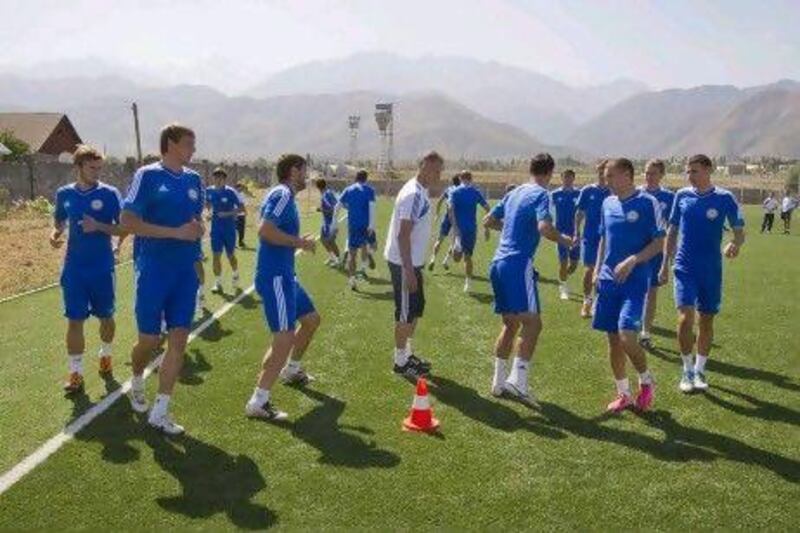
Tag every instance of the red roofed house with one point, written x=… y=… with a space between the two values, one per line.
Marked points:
x=48 y=134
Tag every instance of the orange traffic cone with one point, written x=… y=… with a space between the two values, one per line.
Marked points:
x=421 y=417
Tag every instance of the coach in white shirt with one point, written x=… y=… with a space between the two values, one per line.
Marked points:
x=406 y=246
x=788 y=204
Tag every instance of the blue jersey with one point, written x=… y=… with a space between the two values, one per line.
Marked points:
x=162 y=197
x=465 y=200
x=521 y=210
x=565 y=204
x=700 y=218
x=590 y=201
x=280 y=209
x=224 y=200
x=103 y=203
x=327 y=205
x=356 y=199
x=665 y=199
x=628 y=226
x=447 y=192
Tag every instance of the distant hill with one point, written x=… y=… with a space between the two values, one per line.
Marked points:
x=248 y=128
x=544 y=107
x=719 y=120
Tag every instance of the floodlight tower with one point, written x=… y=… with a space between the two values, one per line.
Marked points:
x=353 y=122
x=384 y=118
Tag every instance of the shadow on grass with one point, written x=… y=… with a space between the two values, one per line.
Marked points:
x=194 y=364
x=247 y=302
x=729 y=369
x=592 y=428
x=212 y=481
x=451 y=274
x=771 y=412
x=339 y=444
x=670 y=334
x=722 y=446
x=492 y=413
x=388 y=295
x=481 y=297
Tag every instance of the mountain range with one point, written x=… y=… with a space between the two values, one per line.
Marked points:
x=464 y=107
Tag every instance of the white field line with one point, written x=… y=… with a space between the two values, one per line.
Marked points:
x=8 y=479
x=43 y=452
x=45 y=287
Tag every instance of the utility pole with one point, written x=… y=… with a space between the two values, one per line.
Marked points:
x=135 y=110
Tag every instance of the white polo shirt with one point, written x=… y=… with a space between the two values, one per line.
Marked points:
x=412 y=203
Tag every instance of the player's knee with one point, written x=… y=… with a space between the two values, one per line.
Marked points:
x=311 y=321
x=75 y=326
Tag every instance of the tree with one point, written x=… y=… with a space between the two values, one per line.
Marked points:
x=793 y=179
x=19 y=148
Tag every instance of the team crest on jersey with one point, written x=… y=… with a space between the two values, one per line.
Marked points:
x=66 y=204
x=163 y=188
x=712 y=214
x=193 y=194
x=97 y=204
x=632 y=216
x=224 y=200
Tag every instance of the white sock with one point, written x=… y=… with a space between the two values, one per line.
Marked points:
x=200 y=291
x=235 y=274
x=623 y=386
x=137 y=383
x=160 y=406
x=293 y=365
x=219 y=280
x=400 y=356
x=645 y=378
x=700 y=363
x=499 y=371
x=519 y=372
x=446 y=258
x=76 y=363
x=106 y=349
x=588 y=300
x=259 y=397
x=562 y=284
x=687 y=362
x=409 y=350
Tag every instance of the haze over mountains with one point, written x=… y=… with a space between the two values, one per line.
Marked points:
x=464 y=107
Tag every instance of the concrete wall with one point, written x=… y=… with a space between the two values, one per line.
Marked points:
x=42 y=178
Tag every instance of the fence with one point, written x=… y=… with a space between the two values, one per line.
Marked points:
x=29 y=179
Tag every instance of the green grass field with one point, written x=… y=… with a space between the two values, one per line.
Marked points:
x=728 y=459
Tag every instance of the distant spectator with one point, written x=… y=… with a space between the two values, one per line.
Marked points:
x=770 y=206
x=241 y=218
x=788 y=204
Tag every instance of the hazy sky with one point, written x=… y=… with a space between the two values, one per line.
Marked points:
x=234 y=43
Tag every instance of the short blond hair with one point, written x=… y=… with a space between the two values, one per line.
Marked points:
x=84 y=153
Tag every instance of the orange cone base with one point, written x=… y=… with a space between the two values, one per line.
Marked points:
x=409 y=425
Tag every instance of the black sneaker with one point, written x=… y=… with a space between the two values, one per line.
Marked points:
x=264 y=412
x=430 y=266
x=411 y=369
x=420 y=362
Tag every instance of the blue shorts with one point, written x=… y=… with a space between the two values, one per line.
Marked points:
x=357 y=237
x=467 y=239
x=285 y=301
x=573 y=253
x=700 y=290
x=514 y=282
x=327 y=232
x=88 y=292
x=164 y=291
x=589 y=250
x=223 y=239
x=444 y=228
x=655 y=267
x=618 y=307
